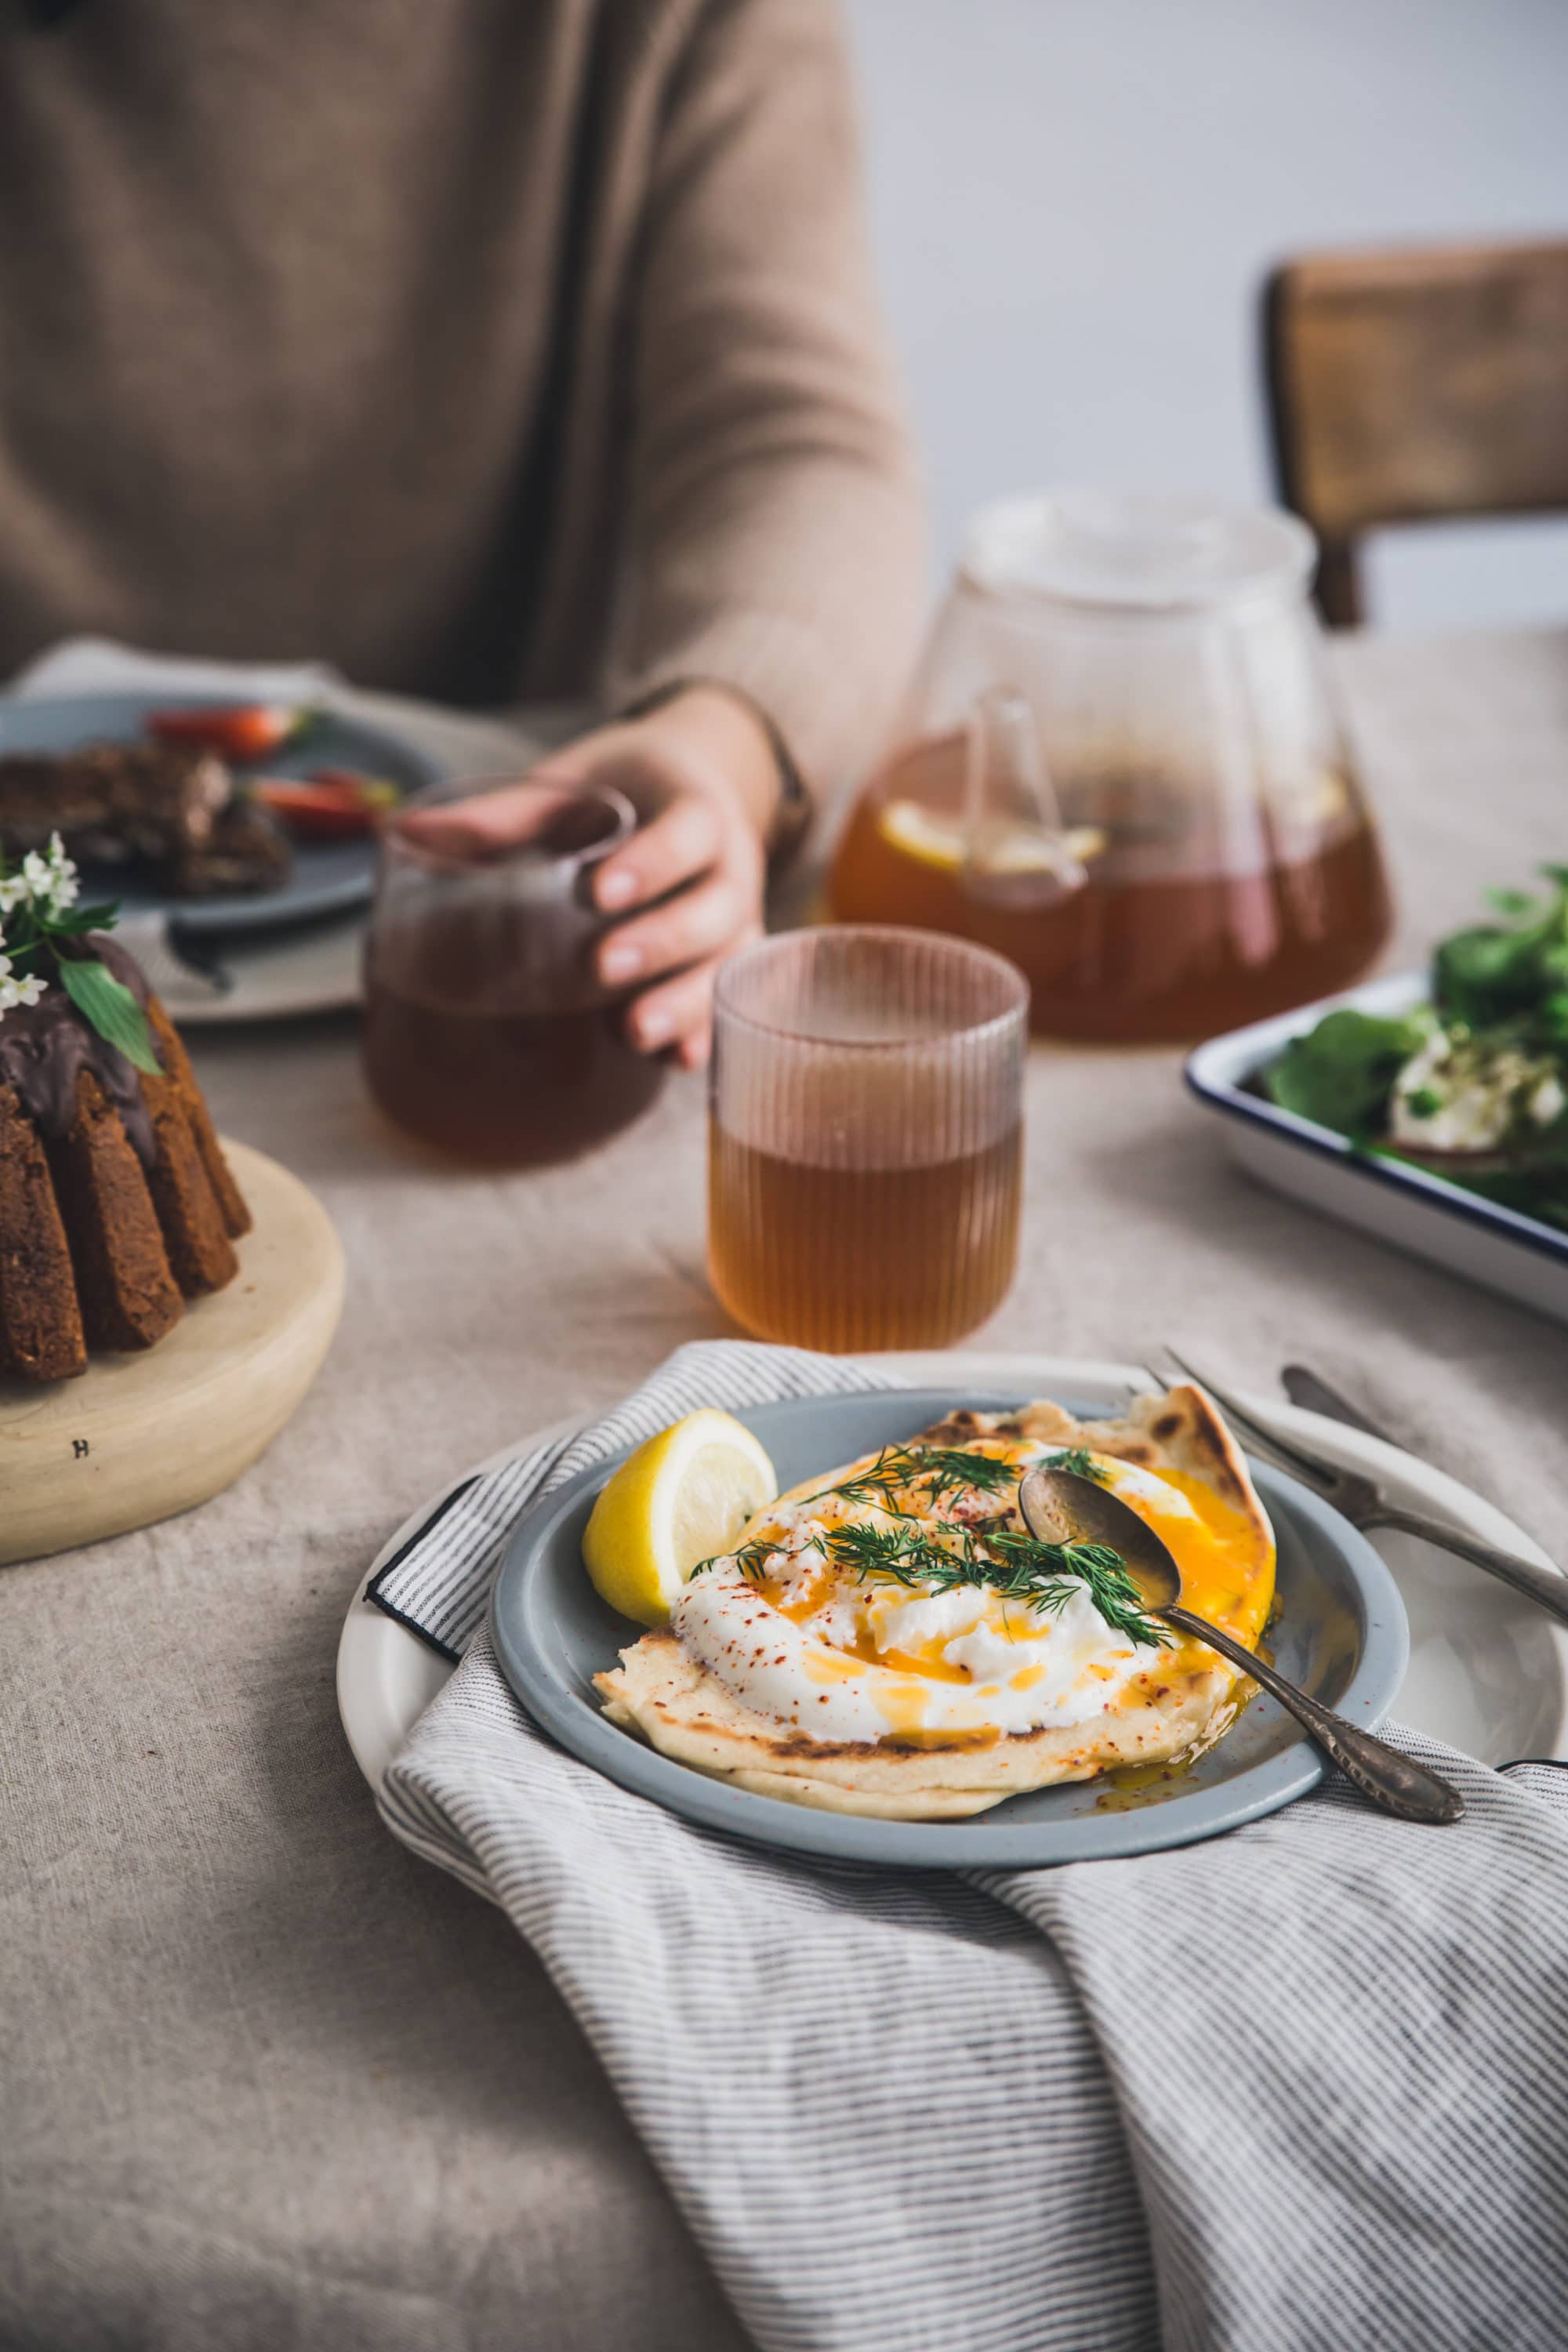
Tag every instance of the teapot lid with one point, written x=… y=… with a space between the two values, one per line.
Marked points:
x=1141 y=549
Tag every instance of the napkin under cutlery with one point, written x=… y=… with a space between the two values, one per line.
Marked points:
x=1304 y=2084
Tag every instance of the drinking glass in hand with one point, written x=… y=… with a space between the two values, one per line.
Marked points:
x=486 y=1031
x=866 y=1140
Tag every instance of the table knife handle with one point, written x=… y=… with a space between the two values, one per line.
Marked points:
x=1393 y=1780
x=1543 y=1585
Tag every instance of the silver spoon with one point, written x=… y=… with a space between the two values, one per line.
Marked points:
x=1059 y=1507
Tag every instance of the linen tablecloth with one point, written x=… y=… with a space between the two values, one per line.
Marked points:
x=268 y=2081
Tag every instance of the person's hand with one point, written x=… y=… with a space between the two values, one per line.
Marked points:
x=703 y=776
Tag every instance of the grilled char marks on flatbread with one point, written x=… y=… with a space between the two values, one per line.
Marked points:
x=686 y=1713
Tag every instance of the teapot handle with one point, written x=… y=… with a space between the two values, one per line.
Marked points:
x=1016 y=848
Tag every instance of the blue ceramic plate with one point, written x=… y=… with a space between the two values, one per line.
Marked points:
x=328 y=878
x=1341 y=1632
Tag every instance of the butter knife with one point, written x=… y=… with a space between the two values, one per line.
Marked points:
x=1305 y=1388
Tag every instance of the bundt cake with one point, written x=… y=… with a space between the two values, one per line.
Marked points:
x=116 y=1202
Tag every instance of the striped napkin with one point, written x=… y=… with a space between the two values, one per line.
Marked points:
x=1302 y=2086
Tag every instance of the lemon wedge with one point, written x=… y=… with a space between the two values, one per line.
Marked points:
x=684 y=1496
x=934 y=839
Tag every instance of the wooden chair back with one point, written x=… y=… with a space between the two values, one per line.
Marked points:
x=1408 y=386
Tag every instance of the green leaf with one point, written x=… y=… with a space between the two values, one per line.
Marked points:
x=111 y=1009
x=1484 y=975
x=1341 y=1072
x=76 y=920
x=22 y=930
x=1493 y=972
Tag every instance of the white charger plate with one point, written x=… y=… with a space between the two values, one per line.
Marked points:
x=1488 y=1672
x=285 y=977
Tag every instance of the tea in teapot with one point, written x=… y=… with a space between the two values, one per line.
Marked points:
x=1122 y=770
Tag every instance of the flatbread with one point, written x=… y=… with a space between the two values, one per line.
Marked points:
x=1181 y=1701
x=685 y=1711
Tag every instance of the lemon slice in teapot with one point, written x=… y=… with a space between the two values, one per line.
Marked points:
x=935 y=839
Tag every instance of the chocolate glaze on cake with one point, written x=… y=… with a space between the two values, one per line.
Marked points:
x=116 y=1202
x=45 y=1047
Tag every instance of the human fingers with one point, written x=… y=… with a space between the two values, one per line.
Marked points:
x=500 y=818
x=693 y=924
x=684 y=840
x=678 y=1014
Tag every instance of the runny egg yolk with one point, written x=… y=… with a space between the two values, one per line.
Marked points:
x=1226 y=1575
x=1227 y=1568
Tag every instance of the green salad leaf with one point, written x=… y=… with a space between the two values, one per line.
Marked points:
x=1341 y=1072
x=1501 y=998
x=1513 y=971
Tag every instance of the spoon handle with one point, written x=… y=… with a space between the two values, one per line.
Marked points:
x=1394 y=1781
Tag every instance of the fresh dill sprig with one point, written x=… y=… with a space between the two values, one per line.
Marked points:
x=1043 y=1575
x=752 y=1559
x=884 y=1478
x=944 y=1469
x=939 y=1469
x=1081 y=1462
x=900 y=1555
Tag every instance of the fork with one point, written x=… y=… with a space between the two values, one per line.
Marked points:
x=180 y=971
x=1363 y=1502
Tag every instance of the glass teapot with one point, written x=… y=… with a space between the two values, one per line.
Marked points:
x=1121 y=765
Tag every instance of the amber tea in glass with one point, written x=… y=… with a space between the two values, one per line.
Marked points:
x=486 y=1031
x=866 y=1137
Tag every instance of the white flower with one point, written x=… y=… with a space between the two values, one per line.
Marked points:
x=46 y=882
x=63 y=887
x=18 y=991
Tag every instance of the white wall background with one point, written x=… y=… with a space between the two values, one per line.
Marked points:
x=1074 y=202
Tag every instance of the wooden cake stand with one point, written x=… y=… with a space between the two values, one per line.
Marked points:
x=138 y=1438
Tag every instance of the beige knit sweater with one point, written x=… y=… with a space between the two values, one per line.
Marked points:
x=491 y=349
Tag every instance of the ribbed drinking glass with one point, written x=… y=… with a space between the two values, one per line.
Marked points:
x=866 y=1137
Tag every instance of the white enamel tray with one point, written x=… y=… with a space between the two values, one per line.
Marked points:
x=1517 y=1256
x=1488 y=1672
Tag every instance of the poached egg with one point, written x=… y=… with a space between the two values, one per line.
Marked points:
x=802 y=1638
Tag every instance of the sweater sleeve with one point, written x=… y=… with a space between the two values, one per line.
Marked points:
x=776 y=539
